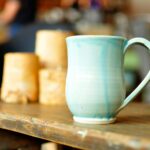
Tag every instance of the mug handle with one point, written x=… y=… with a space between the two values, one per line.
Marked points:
x=146 y=80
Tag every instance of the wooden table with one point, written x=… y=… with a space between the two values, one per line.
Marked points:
x=54 y=123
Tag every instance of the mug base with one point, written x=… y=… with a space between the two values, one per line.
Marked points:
x=94 y=120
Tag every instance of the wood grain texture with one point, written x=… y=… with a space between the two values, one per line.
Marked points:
x=54 y=123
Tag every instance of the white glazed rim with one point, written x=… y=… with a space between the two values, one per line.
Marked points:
x=95 y=36
x=94 y=120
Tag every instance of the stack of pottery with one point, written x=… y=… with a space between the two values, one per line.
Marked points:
x=29 y=77
x=52 y=51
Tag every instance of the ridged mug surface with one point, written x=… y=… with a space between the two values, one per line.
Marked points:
x=95 y=86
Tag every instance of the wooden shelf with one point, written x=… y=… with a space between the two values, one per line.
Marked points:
x=54 y=123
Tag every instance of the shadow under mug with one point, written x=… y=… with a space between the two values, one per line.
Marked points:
x=95 y=87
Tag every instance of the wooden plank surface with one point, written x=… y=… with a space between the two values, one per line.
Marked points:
x=54 y=123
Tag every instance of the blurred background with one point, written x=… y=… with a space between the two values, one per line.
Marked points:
x=128 y=18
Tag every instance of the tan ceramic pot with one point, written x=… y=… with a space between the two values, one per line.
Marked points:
x=20 y=78
x=51 y=48
x=52 y=86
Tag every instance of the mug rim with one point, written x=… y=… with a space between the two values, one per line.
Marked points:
x=95 y=36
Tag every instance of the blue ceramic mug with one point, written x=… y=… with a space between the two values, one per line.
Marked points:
x=95 y=88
